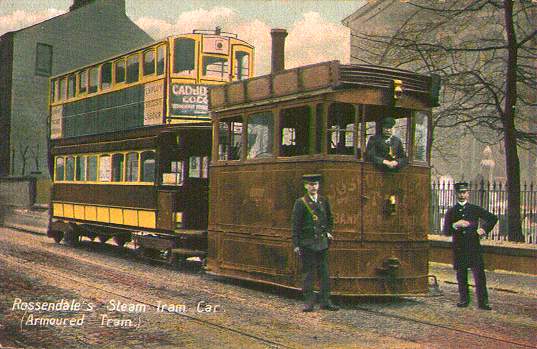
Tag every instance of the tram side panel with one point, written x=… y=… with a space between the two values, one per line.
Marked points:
x=250 y=220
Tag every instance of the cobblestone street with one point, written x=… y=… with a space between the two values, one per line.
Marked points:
x=102 y=296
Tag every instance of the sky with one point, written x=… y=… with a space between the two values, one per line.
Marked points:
x=314 y=26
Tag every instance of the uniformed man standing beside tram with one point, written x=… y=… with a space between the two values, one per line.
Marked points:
x=312 y=226
x=462 y=221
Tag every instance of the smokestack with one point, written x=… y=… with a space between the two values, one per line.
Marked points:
x=278 y=50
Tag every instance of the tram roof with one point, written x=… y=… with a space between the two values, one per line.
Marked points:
x=311 y=80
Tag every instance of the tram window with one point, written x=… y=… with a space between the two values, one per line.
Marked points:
x=176 y=174
x=105 y=170
x=242 y=67
x=260 y=135
x=160 y=60
x=215 y=67
x=133 y=68
x=71 y=84
x=82 y=82
x=295 y=131
x=60 y=167
x=70 y=168
x=370 y=130
x=184 y=56
x=80 y=168
x=132 y=167
x=148 y=166
x=341 y=130
x=194 y=167
x=119 y=67
x=93 y=77
x=149 y=62
x=229 y=139
x=400 y=130
x=91 y=174
x=62 y=92
x=53 y=91
x=117 y=167
x=205 y=167
x=421 y=121
x=106 y=76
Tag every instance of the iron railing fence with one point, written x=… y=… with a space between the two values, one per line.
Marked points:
x=493 y=197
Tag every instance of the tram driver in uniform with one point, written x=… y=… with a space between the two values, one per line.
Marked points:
x=462 y=221
x=386 y=149
x=312 y=224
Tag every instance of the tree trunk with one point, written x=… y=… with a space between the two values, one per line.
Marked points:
x=508 y=120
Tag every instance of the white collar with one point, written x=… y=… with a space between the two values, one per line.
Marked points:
x=462 y=203
x=314 y=198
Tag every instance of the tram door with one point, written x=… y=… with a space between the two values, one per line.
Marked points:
x=183 y=194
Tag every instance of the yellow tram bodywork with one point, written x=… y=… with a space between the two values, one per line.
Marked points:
x=381 y=218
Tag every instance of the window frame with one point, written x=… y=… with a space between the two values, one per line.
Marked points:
x=40 y=60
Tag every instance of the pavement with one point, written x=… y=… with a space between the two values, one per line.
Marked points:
x=503 y=281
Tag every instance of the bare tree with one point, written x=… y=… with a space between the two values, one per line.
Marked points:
x=485 y=52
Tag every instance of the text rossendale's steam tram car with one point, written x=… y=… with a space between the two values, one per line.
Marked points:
x=130 y=142
x=150 y=184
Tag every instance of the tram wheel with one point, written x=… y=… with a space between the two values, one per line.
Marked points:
x=71 y=238
x=120 y=240
x=103 y=238
x=57 y=236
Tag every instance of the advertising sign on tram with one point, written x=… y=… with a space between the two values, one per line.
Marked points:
x=189 y=100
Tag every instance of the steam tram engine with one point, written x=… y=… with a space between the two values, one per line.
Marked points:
x=224 y=190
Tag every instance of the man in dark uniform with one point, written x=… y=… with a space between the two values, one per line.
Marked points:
x=312 y=226
x=462 y=221
x=385 y=149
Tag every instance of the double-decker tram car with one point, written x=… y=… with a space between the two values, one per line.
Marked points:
x=130 y=142
x=271 y=130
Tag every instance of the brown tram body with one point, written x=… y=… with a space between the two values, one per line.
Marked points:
x=381 y=220
x=312 y=119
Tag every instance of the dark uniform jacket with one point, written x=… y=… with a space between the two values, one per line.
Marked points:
x=380 y=148
x=308 y=232
x=466 y=246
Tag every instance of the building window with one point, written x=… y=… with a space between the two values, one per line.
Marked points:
x=43 y=60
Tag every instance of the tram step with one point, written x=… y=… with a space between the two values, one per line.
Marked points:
x=191 y=233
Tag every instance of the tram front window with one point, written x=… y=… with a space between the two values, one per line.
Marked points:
x=341 y=129
x=184 y=56
x=260 y=135
x=421 y=121
x=295 y=131
x=215 y=67
x=241 y=65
